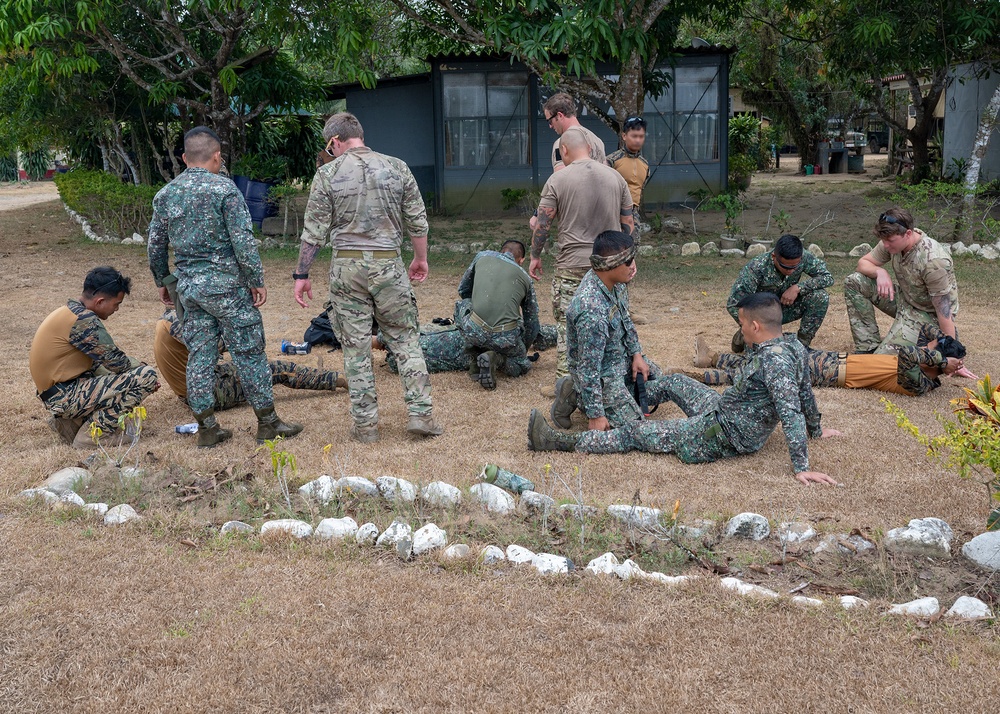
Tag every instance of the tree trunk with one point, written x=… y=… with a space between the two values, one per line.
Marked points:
x=988 y=123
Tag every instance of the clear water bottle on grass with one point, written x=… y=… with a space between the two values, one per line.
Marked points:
x=505 y=479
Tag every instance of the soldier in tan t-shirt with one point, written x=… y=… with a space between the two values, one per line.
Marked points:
x=587 y=198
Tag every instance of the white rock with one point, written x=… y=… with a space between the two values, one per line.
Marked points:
x=291 y=526
x=603 y=564
x=235 y=527
x=665 y=579
x=46 y=495
x=429 y=538
x=696 y=529
x=355 y=486
x=860 y=250
x=970 y=608
x=138 y=239
x=441 y=494
x=549 y=564
x=320 y=490
x=458 y=550
x=989 y=252
x=922 y=537
x=396 y=532
x=752 y=526
x=122 y=513
x=807 y=601
x=710 y=249
x=493 y=497
x=924 y=607
x=396 y=489
x=836 y=543
x=491 y=555
x=366 y=534
x=336 y=528
x=732 y=253
x=975 y=248
x=535 y=503
x=132 y=473
x=672 y=224
x=518 y=554
x=404 y=547
x=959 y=249
x=647 y=250
x=984 y=550
x=98 y=508
x=629 y=569
x=573 y=510
x=836 y=254
x=850 y=601
x=72 y=498
x=746 y=588
x=642 y=516
x=692 y=248
x=816 y=251
x=755 y=249
x=793 y=533
x=70 y=478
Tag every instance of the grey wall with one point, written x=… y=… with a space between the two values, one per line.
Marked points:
x=965 y=99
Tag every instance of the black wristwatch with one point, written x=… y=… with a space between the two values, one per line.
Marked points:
x=300 y=276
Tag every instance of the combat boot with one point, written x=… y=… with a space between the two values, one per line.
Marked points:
x=738 y=344
x=704 y=357
x=423 y=425
x=269 y=426
x=65 y=427
x=564 y=404
x=209 y=432
x=365 y=434
x=486 y=372
x=542 y=437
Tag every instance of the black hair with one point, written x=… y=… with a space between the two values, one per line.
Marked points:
x=517 y=248
x=611 y=243
x=765 y=308
x=788 y=247
x=200 y=143
x=105 y=280
x=950 y=347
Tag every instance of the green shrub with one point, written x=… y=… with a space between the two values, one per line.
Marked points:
x=112 y=207
x=36 y=163
x=8 y=168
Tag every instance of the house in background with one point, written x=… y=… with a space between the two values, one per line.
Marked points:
x=965 y=99
x=474 y=126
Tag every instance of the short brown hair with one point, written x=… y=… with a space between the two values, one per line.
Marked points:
x=561 y=102
x=893 y=222
x=344 y=126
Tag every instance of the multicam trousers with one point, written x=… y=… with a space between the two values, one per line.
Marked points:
x=862 y=298
x=360 y=288
x=564 y=287
x=229 y=393
x=695 y=440
x=103 y=399
x=208 y=315
x=507 y=345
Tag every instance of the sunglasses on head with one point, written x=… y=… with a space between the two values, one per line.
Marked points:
x=634 y=123
x=886 y=218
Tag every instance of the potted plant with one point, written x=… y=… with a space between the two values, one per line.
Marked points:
x=732 y=204
x=255 y=174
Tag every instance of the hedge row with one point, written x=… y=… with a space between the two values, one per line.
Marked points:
x=114 y=208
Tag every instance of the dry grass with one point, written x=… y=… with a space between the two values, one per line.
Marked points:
x=130 y=620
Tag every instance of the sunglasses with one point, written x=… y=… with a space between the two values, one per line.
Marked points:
x=330 y=143
x=886 y=218
x=786 y=267
x=634 y=123
x=551 y=118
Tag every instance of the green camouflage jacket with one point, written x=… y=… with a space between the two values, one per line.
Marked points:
x=760 y=276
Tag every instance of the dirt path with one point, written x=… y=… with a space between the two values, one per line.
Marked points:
x=19 y=195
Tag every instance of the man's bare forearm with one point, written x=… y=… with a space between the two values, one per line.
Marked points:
x=307 y=254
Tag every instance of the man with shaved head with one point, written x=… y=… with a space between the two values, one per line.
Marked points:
x=587 y=197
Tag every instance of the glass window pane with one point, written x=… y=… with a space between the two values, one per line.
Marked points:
x=696 y=89
x=464 y=94
x=698 y=138
x=508 y=93
x=509 y=142
x=465 y=142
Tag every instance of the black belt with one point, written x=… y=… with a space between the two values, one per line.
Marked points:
x=49 y=393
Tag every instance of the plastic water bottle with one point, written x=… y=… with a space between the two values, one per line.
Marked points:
x=505 y=479
x=191 y=428
x=295 y=348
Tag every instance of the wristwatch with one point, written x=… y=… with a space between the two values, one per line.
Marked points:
x=300 y=276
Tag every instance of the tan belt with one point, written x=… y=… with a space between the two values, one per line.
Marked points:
x=842 y=369
x=375 y=254
x=502 y=327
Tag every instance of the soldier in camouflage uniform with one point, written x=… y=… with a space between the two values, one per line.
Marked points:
x=773 y=387
x=797 y=277
x=172 y=355
x=497 y=313
x=80 y=374
x=924 y=292
x=363 y=201
x=604 y=351
x=220 y=284
x=914 y=370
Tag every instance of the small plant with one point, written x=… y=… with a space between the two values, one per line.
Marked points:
x=281 y=461
x=732 y=204
x=971 y=443
x=512 y=197
x=130 y=426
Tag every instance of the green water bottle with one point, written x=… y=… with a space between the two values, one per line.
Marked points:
x=505 y=479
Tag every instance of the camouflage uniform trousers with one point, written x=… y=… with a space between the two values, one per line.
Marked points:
x=360 y=288
x=548 y=337
x=229 y=393
x=444 y=347
x=564 y=287
x=103 y=399
x=209 y=315
x=824 y=368
x=862 y=298
x=620 y=407
x=696 y=440
x=508 y=345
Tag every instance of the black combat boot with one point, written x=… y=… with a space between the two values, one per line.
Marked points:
x=564 y=404
x=209 y=431
x=269 y=426
x=542 y=437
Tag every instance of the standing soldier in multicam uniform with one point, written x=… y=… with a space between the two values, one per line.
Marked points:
x=80 y=374
x=497 y=313
x=586 y=198
x=914 y=370
x=172 y=356
x=603 y=347
x=924 y=292
x=220 y=285
x=363 y=201
x=781 y=272
x=773 y=387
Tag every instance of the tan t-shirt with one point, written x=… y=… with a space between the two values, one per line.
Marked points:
x=923 y=272
x=596 y=148
x=171 y=358
x=589 y=198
